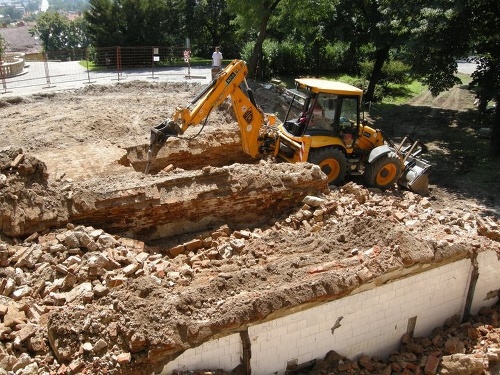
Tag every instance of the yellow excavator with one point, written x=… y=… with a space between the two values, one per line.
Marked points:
x=323 y=125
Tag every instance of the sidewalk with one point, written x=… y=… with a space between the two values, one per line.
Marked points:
x=55 y=76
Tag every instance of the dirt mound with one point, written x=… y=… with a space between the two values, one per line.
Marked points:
x=92 y=290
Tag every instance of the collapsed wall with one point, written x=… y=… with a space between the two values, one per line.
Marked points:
x=87 y=301
x=261 y=259
x=153 y=206
x=185 y=202
x=75 y=298
x=397 y=316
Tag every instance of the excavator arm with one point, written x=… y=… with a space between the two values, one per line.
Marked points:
x=258 y=133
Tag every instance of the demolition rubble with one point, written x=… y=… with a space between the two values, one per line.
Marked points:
x=104 y=270
x=77 y=299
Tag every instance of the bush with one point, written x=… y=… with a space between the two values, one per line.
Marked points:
x=246 y=51
x=397 y=72
x=394 y=71
x=286 y=58
x=334 y=57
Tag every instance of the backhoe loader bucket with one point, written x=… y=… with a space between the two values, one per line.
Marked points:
x=159 y=135
x=416 y=176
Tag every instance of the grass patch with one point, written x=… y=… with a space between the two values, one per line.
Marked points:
x=399 y=94
x=88 y=64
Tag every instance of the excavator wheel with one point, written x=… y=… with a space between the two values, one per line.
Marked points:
x=384 y=171
x=332 y=162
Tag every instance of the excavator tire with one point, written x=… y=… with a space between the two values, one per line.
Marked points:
x=332 y=162
x=383 y=172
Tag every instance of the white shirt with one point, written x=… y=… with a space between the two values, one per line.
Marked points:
x=216 y=58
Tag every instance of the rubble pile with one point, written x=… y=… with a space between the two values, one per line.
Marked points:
x=80 y=300
x=90 y=285
x=455 y=348
x=45 y=273
x=133 y=204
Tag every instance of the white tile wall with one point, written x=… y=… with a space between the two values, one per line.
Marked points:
x=223 y=353
x=372 y=323
x=488 y=281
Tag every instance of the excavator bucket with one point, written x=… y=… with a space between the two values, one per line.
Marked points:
x=416 y=176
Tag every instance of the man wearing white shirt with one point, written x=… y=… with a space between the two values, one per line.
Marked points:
x=216 y=62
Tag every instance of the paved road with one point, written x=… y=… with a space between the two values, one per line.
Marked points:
x=465 y=67
x=55 y=76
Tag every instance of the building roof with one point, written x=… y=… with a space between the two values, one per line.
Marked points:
x=18 y=39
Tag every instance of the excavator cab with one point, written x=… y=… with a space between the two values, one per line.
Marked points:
x=326 y=114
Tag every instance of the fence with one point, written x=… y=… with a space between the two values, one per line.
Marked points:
x=70 y=68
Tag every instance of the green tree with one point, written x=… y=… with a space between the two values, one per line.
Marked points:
x=437 y=38
x=310 y=31
x=208 y=24
x=252 y=17
x=77 y=34
x=52 y=29
x=12 y=13
x=57 y=32
x=377 y=27
x=484 y=42
x=453 y=29
x=104 y=23
x=135 y=23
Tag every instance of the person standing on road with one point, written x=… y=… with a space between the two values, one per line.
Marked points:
x=216 y=62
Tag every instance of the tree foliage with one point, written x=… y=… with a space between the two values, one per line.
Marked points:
x=57 y=32
x=484 y=31
x=252 y=17
x=133 y=23
x=437 y=38
x=209 y=25
x=448 y=30
x=11 y=14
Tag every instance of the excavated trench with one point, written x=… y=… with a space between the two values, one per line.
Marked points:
x=215 y=151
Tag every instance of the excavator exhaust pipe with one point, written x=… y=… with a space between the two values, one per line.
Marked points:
x=159 y=135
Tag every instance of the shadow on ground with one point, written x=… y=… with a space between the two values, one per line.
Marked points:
x=457 y=149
